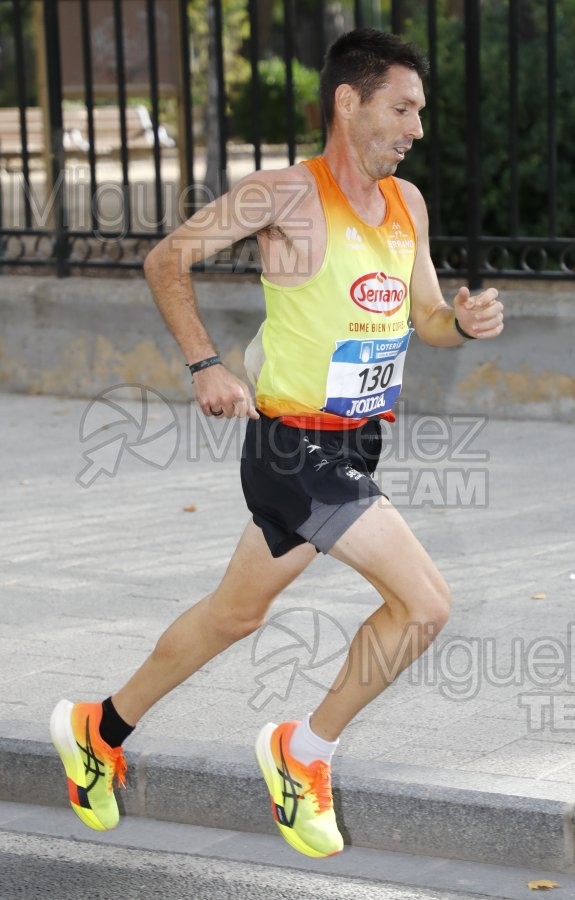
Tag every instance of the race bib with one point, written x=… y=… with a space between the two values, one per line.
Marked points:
x=364 y=377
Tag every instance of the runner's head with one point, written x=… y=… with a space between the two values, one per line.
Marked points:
x=362 y=58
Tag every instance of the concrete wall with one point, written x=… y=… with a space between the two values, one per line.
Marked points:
x=79 y=336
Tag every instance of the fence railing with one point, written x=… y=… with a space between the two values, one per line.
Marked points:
x=131 y=115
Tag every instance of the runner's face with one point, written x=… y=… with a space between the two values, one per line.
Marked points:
x=384 y=128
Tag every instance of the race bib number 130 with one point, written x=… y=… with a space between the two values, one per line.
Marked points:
x=364 y=377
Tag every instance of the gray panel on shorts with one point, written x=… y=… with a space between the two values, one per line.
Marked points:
x=328 y=521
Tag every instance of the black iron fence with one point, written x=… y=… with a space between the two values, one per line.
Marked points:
x=119 y=118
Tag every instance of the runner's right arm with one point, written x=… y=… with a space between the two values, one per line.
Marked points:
x=245 y=210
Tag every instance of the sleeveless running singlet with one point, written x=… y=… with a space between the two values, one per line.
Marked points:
x=334 y=346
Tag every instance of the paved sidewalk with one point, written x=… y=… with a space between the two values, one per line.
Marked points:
x=93 y=567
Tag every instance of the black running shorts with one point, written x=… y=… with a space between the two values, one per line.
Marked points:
x=308 y=485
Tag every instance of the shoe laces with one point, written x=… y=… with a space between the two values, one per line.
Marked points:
x=320 y=785
x=118 y=767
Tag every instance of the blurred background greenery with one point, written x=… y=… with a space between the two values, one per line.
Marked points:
x=452 y=128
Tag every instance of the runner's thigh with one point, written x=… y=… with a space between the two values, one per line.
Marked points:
x=381 y=547
x=254 y=577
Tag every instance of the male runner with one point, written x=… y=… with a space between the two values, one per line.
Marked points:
x=346 y=269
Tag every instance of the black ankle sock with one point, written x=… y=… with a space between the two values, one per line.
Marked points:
x=113 y=729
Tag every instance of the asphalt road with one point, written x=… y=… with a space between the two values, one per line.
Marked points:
x=40 y=867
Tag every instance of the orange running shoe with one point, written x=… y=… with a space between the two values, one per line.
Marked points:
x=91 y=765
x=301 y=797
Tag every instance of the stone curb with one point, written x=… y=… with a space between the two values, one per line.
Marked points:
x=497 y=820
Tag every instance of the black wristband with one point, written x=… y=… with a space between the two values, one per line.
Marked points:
x=468 y=337
x=203 y=364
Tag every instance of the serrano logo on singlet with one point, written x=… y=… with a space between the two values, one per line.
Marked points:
x=379 y=293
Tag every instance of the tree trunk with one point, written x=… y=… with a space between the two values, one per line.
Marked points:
x=213 y=178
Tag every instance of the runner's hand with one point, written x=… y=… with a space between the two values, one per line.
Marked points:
x=219 y=393
x=480 y=316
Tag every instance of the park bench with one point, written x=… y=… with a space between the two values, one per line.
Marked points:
x=108 y=138
x=11 y=135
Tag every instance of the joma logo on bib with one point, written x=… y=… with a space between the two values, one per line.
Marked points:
x=379 y=293
x=366 y=406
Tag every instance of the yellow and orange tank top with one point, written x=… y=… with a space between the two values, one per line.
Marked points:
x=333 y=347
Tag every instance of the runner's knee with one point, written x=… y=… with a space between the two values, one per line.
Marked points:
x=240 y=627
x=441 y=605
x=434 y=604
x=236 y=621
x=428 y=605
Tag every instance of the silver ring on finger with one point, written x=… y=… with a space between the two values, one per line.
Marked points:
x=216 y=413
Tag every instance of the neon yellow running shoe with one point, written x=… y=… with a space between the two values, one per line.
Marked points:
x=91 y=765
x=301 y=797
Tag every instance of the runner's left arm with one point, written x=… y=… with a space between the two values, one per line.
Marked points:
x=480 y=316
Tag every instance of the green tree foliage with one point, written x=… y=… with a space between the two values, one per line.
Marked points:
x=273 y=101
x=235 y=32
x=8 y=82
x=533 y=151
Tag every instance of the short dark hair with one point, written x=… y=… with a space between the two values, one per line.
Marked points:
x=362 y=58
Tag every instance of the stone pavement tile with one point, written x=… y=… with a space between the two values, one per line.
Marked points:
x=26 y=666
x=512 y=709
x=192 y=715
x=41 y=690
x=110 y=670
x=475 y=733
x=433 y=705
x=529 y=759
x=417 y=753
x=561 y=732
x=10 y=709
x=415 y=714
x=565 y=774
x=437 y=713
x=496 y=694
x=376 y=740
